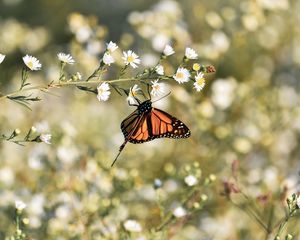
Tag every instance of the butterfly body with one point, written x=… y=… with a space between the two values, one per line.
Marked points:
x=147 y=123
x=145 y=107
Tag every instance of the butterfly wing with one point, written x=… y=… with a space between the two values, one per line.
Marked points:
x=165 y=125
x=140 y=128
x=128 y=124
x=158 y=124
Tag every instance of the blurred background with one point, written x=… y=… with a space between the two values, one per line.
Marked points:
x=248 y=111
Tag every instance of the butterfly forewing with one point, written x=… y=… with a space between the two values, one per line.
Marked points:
x=165 y=125
x=129 y=122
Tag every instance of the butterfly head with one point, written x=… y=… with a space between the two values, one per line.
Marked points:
x=145 y=106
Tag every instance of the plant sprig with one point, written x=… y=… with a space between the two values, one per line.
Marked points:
x=30 y=137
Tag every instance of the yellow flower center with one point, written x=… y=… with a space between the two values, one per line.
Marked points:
x=196 y=66
x=130 y=59
x=30 y=65
x=200 y=81
x=179 y=75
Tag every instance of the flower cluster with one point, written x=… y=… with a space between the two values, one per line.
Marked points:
x=182 y=75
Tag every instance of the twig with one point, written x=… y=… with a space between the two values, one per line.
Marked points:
x=73 y=83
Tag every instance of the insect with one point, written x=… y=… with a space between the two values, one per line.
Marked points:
x=147 y=123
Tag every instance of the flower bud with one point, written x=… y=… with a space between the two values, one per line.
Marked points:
x=17 y=131
x=204 y=197
x=33 y=129
x=19 y=232
x=157 y=183
x=212 y=177
x=25 y=221
x=288 y=237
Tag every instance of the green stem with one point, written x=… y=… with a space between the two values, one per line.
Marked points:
x=24 y=77
x=251 y=214
x=270 y=221
x=75 y=83
x=61 y=73
x=17 y=222
x=283 y=224
x=170 y=217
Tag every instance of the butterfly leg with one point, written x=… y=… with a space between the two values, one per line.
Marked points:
x=148 y=89
x=120 y=150
x=127 y=139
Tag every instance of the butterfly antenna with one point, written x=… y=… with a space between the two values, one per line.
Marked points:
x=162 y=97
x=148 y=89
x=120 y=150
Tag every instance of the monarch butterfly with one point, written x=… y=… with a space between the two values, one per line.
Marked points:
x=147 y=123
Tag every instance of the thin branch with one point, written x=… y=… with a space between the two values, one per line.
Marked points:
x=73 y=83
x=251 y=214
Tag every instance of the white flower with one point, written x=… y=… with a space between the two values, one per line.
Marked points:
x=108 y=59
x=1 y=58
x=191 y=180
x=131 y=58
x=132 y=226
x=133 y=92
x=103 y=91
x=65 y=58
x=298 y=201
x=32 y=63
x=111 y=46
x=168 y=50
x=182 y=75
x=46 y=138
x=200 y=82
x=20 y=205
x=179 y=212
x=190 y=53
x=159 y=69
x=158 y=89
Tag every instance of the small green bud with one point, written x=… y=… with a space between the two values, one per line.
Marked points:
x=196 y=205
x=187 y=168
x=196 y=164
x=212 y=177
x=288 y=237
x=25 y=221
x=17 y=131
x=33 y=129
x=19 y=232
x=204 y=197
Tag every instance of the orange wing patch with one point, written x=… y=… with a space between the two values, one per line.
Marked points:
x=141 y=133
x=163 y=127
x=155 y=122
x=145 y=136
x=161 y=123
x=162 y=116
x=170 y=128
